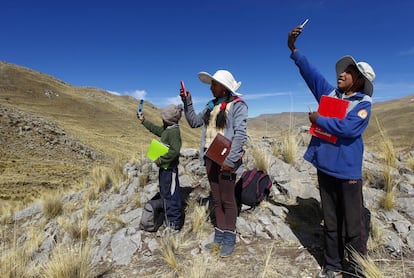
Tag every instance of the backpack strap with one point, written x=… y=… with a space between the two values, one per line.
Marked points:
x=263 y=175
x=249 y=178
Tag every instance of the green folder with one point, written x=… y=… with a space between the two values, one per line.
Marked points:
x=156 y=149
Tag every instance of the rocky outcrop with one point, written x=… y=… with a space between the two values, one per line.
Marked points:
x=290 y=217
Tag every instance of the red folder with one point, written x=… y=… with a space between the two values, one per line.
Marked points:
x=333 y=108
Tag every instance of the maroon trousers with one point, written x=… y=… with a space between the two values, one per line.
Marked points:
x=222 y=188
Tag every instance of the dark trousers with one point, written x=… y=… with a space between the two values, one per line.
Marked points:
x=171 y=196
x=222 y=188
x=343 y=212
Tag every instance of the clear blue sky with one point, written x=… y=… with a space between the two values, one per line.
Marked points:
x=144 y=48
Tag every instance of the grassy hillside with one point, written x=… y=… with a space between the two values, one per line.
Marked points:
x=53 y=133
x=103 y=122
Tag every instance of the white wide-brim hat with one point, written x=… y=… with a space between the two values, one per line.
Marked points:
x=364 y=68
x=223 y=77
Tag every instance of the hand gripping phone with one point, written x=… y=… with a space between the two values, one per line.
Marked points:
x=183 y=88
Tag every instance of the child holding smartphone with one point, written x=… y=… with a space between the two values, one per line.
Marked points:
x=339 y=165
x=168 y=163
x=226 y=114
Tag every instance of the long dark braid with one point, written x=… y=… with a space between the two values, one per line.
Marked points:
x=206 y=117
x=222 y=115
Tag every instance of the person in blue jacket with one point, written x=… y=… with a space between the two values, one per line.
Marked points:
x=339 y=165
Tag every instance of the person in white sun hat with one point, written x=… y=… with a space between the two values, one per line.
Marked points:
x=226 y=114
x=339 y=164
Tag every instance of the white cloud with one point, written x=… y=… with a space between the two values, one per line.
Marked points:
x=407 y=52
x=114 y=93
x=174 y=100
x=138 y=94
x=264 y=95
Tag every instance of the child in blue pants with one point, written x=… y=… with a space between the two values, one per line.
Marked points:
x=170 y=135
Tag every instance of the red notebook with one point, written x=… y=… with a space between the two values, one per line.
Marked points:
x=333 y=108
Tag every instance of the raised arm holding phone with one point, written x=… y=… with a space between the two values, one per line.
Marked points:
x=339 y=165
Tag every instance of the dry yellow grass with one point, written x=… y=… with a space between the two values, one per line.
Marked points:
x=198 y=217
x=78 y=229
x=6 y=212
x=52 y=205
x=388 y=200
x=69 y=262
x=410 y=162
x=376 y=238
x=16 y=258
x=115 y=219
x=168 y=248
x=367 y=266
x=261 y=158
x=289 y=148
x=267 y=261
x=199 y=267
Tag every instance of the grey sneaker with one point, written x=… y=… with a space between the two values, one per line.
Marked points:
x=327 y=273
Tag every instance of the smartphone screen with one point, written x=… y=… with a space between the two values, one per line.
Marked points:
x=304 y=23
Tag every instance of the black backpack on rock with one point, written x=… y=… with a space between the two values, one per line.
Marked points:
x=152 y=214
x=252 y=187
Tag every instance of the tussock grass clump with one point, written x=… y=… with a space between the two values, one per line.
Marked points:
x=289 y=148
x=77 y=229
x=387 y=147
x=366 y=266
x=52 y=205
x=410 y=162
x=16 y=258
x=115 y=219
x=198 y=268
x=376 y=238
x=389 y=162
x=15 y=262
x=100 y=178
x=388 y=200
x=198 y=216
x=69 y=262
x=261 y=158
x=168 y=247
x=6 y=214
x=116 y=175
x=388 y=178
